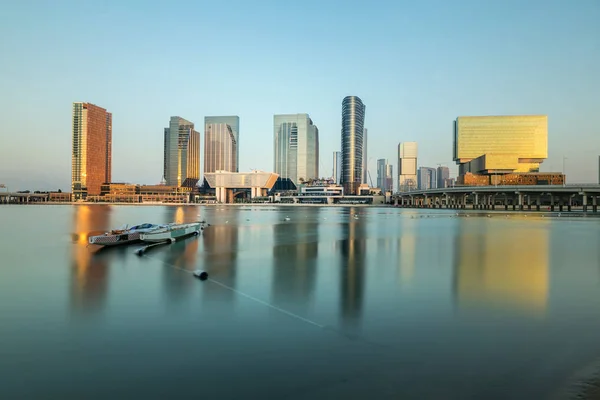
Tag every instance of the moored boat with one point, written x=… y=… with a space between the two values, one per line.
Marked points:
x=122 y=236
x=172 y=232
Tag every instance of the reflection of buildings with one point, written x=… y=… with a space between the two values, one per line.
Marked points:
x=353 y=251
x=220 y=255
x=503 y=268
x=407 y=248
x=295 y=252
x=182 y=255
x=89 y=272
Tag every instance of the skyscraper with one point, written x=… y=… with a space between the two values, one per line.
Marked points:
x=181 y=153
x=337 y=167
x=389 y=178
x=381 y=173
x=353 y=119
x=407 y=166
x=443 y=173
x=426 y=178
x=365 y=161
x=221 y=144
x=296 y=147
x=91 y=159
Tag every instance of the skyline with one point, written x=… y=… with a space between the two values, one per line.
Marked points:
x=421 y=67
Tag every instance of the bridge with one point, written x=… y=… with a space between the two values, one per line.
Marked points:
x=22 y=198
x=523 y=197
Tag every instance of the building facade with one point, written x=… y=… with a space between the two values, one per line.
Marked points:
x=407 y=166
x=443 y=174
x=91 y=156
x=221 y=144
x=389 y=177
x=337 y=167
x=500 y=144
x=426 y=178
x=296 y=147
x=181 y=153
x=353 y=119
x=365 y=160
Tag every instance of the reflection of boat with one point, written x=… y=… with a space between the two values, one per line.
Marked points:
x=123 y=236
x=172 y=232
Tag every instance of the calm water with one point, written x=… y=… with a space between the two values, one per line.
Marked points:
x=394 y=304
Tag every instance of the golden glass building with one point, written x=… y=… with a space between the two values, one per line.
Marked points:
x=181 y=153
x=500 y=144
x=91 y=161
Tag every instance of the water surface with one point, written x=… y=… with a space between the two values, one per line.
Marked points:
x=388 y=304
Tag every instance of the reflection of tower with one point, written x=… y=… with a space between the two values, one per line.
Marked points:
x=89 y=272
x=501 y=266
x=353 y=249
x=220 y=255
x=295 y=252
x=181 y=254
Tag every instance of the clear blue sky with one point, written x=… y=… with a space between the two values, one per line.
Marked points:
x=415 y=64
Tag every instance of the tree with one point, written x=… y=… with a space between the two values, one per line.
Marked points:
x=59 y=191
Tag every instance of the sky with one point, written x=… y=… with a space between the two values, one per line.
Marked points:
x=416 y=65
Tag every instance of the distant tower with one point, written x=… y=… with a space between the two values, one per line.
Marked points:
x=337 y=167
x=407 y=166
x=353 y=118
x=91 y=159
x=181 y=153
x=365 y=161
x=221 y=149
x=296 y=147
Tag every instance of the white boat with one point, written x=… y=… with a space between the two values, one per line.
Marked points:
x=172 y=232
x=124 y=235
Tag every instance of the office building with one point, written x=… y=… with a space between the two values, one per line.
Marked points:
x=496 y=145
x=365 y=161
x=91 y=159
x=384 y=176
x=426 y=178
x=443 y=174
x=337 y=167
x=181 y=153
x=353 y=119
x=407 y=166
x=221 y=135
x=389 y=178
x=296 y=145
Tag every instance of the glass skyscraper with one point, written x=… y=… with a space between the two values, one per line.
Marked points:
x=353 y=119
x=91 y=156
x=296 y=147
x=181 y=153
x=365 y=161
x=337 y=166
x=221 y=136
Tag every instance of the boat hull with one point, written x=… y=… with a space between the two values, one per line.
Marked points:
x=171 y=233
x=115 y=240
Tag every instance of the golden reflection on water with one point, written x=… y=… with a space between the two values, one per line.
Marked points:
x=504 y=267
x=89 y=270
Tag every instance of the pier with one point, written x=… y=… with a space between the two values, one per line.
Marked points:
x=516 y=198
x=23 y=198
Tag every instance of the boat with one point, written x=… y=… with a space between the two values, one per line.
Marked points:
x=122 y=236
x=172 y=232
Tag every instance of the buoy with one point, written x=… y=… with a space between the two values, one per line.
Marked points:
x=140 y=251
x=202 y=275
